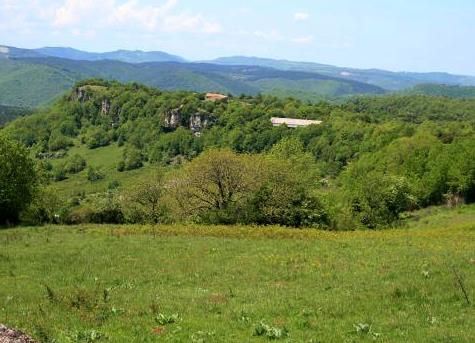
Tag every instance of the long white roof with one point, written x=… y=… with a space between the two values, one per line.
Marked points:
x=294 y=122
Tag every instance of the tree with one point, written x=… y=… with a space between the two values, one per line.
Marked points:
x=18 y=180
x=287 y=190
x=144 y=202
x=214 y=184
x=376 y=199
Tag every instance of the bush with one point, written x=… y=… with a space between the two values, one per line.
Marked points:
x=45 y=208
x=75 y=164
x=59 y=173
x=286 y=194
x=18 y=180
x=58 y=141
x=94 y=174
x=107 y=210
x=377 y=200
x=132 y=159
x=97 y=138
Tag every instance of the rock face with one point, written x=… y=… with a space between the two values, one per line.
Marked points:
x=13 y=336
x=80 y=94
x=105 y=107
x=173 y=118
x=84 y=93
x=198 y=122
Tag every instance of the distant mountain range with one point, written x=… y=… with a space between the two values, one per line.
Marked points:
x=119 y=55
x=36 y=77
x=382 y=78
x=30 y=78
x=137 y=56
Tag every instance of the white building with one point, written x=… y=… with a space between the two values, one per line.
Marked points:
x=293 y=123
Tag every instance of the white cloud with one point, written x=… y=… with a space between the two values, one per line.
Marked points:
x=301 y=16
x=273 y=34
x=84 y=33
x=303 y=40
x=77 y=12
x=190 y=22
x=131 y=14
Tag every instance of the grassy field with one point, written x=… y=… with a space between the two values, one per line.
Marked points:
x=242 y=284
x=106 y=159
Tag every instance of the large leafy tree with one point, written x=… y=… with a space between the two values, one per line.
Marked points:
x=215 y=183
x=18 y=180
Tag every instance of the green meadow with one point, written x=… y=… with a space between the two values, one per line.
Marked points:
x=192 y=283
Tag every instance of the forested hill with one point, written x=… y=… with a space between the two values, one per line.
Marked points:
x=369 y=160
x=453 y=91
x=8 y=113
x=36 y=81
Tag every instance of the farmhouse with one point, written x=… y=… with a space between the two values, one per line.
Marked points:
x=293 y=123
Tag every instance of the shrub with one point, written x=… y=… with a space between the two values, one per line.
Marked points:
x=59 y=173
x=132 y=159
x=58 y=141
x=107 y=210
x=96 y=138
x=75 y=164
x=45 y=208
x=94 y=174
x=18 y=180
x=377 y=200
x=263 y=329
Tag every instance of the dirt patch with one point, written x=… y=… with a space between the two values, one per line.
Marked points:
x=13 y=336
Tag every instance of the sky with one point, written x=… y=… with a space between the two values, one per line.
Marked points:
x=398 y=35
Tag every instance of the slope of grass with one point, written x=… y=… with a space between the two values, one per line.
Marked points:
x=217 y=284
x=106 y=159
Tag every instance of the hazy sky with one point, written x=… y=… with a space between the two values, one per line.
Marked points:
x=412 y=35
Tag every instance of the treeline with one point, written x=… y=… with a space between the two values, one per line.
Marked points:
x=371 y=160
x=8 y=113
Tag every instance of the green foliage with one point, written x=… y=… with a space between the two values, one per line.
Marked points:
x=94 y=174
x=132 y=159
x=58 y=173
x=35 y=82
x=417 y=150
x=75 y=164
x=96 y=138
x=47 y=207
x=58 y=141
x=270 y=332
x=452 y=91
x=143 y=204
x=287 y=192
x=214 y=185
x=18 y=180
x=164 y=319
x=377 y=200
x=9 y=113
